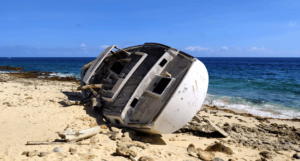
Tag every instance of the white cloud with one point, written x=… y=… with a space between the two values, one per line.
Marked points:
x=195 y=48
x=224 y=48
x=103 y=46
x=292 y=24
x=256 y=48
x=82 y=45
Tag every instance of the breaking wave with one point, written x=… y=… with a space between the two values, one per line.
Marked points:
x=65 y=75
x=255 y=107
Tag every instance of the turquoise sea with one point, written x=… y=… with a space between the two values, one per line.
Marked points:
x=262 y=86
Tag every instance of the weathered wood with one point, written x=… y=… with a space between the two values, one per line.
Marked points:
x=78 y=102
x=221 y=131
x=73 y=102
x=200 y=119
x=54 y=143
x=108 y=133
x=80 y=135
x=90 y=86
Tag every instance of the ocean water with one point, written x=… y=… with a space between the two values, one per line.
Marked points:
x=262 y=86
x=60 y=66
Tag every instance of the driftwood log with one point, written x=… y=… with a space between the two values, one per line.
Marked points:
x=79 y=135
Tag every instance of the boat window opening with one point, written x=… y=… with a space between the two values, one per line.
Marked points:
x=163 y=63
x=134 y=102
x=117 y=67
x=161 y=85
x=117 y=121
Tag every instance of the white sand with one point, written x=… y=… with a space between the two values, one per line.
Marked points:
x=40 y=118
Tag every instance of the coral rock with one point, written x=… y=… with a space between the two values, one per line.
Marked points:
x=204 y=155
x=124 y=151
x=146 y=158
x=218 y=147
x=267 y=154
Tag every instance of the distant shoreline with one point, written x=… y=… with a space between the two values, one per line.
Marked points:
x=18 y=73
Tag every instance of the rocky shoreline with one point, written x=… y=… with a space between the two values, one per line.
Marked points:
x=9 y=68
x=19 y=73
x=264 y=136
x=32 y=110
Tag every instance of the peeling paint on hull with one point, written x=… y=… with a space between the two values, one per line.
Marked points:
x=151 y=88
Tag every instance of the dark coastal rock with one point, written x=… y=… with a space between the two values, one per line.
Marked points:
x=226 y=124
x=7 y=104
x=41 y=75
x=236 y=129
x=231 y=141
x=227 y=129
x=228 y=116
x=266 y=142
x=296 y=156
x=213 y=112
x=288 y=134
x=217 y=159
x=72 y=150
x=267 y=154
x=261 y=119
x=259 y=142
x=218 y=147
x=8 y=68
x=276 y=137
x=262 y=159
x=146 y=158
x=262 y=147
x=254 y=130
x=298 y=131
x=191 y=148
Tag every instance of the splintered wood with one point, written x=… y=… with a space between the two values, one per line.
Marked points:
x=71 y=137
x=221 y=131
x=80 y=135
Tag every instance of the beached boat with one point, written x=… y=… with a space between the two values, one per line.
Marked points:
x=151 y=88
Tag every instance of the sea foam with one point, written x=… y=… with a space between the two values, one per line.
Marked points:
x=262 y=108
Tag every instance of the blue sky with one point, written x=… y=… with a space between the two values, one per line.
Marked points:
x=214 y=28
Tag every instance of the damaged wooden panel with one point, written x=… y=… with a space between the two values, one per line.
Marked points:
x=147 y=86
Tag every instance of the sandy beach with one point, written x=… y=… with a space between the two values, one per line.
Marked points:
x=34 y=110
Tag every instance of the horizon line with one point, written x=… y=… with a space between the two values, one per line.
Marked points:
x=193 y=56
